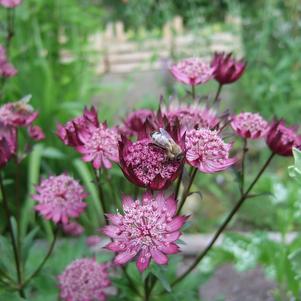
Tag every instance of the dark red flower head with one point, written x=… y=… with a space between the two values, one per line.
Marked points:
x=281 y=139
x=227 y=69
x=8 y=144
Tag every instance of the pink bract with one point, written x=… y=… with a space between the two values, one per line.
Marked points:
x=206 y=151
x=192 y=71
x=249 y=125
x=73 y=229
x=18 y=114
x=93 y=240
x=147 y=230
x=281 y=139
x=84 y=280
x=227 y=69
x=60 y=198
x=8 y=143
x=10 y=3
x=36 y=133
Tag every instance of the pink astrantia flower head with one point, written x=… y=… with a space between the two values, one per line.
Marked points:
x=281 y=139
x=69 y=132
x=227 y=69
x=249 y=125
x=18 y=114
x=192 y=71
x=10 y=3
x=36 y=133
x=73 y=229
x=190 y=116
x=100 y=146
x=59 y=198
x=84 y=280
x=8 y=144
x=147 y=230
x=206 y=151
x=6 y=69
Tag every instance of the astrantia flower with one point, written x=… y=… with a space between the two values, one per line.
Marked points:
x=192 y=71
x=36 y=133
x=227 y=69
x=100 y=145
x=10 y=3
x=93 y=240
x=281 y=139
x=6 y=69
x=73 y=229
x=206 y=151
x=135 y=121
x=18 y=114
x=68 y=133
x=190 y=116
x=59 y=198
x=84 y=280
x=147 y=165
x=147 y=230
x=249 y=125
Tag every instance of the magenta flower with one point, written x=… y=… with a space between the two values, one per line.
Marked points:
x=6 y=69
x=206 y=151
x=8 y=144
x=68 y=133
x=10 y=3
x=227 y=69
x=146 y=230
x=93 y=240
x=73 y=229
x=249 y=125
x=192 y=71
x=18 y=114
x=281 y=139
x=147 y=165
x=191 y=116
x=36 y=133
x=59 y=198
x=135 y=121
x=84 y=280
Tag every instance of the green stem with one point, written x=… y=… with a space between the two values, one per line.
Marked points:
x=147 y=291
x=225 y=223
x=12 y=236
x=218 y=92
x=244 y=152
x=179 y=184
x=130 y=281
x=41 y=265
x=193 y=92
x=113 y=191
x=186 y=192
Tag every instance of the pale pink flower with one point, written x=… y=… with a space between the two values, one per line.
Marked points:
x=100 y=145
x=249 y=125
x=192 y=71
x=10 y=3
x=18 y=114
x=190 y=116
x=206 y=151
x=73 y=229
x=147 y=230
x=59 y=198
x=93 y=240
x=6 y=69
x=84 y=280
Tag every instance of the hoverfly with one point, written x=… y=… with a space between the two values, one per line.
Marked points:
x=23 y=106
x=163 y=140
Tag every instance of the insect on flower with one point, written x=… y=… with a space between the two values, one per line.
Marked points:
x=23 y=106
x=163 y=140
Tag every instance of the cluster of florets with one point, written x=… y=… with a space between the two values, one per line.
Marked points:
x=147 y=230
x=84 y=280
x=94 y=140
x=60 y=198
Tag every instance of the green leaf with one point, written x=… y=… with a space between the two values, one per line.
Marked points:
x=295 y=170
x=160 y=273
x=295 y=259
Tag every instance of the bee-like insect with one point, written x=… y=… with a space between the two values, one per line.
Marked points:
x=23 y=105
x=163 y=140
